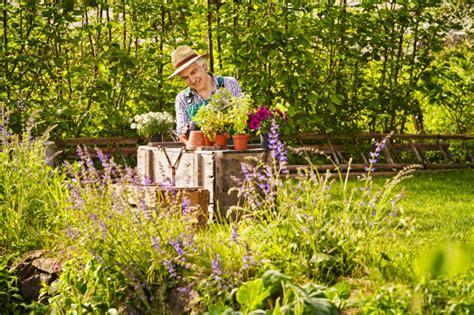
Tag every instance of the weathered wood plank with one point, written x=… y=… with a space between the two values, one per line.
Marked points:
x=98 y=141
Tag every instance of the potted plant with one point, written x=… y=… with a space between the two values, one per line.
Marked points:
x=238 y=116
x=260 y=121
x=153 y=125
x=213 y=118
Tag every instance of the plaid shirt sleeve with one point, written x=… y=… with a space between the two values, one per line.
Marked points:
x=181 y=116
x=233 y=86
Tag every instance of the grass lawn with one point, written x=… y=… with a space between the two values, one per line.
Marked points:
x=442 y=204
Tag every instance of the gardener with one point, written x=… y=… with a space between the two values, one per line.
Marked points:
x=202 y=84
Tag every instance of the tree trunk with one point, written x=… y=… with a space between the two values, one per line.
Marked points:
x=5 y=46
x=209 y=34
x=219 y=50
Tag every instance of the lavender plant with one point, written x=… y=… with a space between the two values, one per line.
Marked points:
x=151 y=242
x=323 y=224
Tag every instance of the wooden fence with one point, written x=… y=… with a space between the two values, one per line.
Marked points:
x=328 y=152
x=435 y=151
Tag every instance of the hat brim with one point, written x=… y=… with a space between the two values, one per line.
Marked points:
x=187 y=64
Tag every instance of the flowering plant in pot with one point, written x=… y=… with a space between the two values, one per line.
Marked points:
x=260 y=121
x=153 y=125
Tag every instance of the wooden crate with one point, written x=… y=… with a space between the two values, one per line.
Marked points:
x=155 y=195
x=214 y=170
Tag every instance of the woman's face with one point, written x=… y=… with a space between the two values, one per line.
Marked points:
x=195 y=76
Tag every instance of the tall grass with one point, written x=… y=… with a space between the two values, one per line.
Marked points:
x=32 y=194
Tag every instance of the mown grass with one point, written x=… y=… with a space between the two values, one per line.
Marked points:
x=442 y=203
x=435 y=258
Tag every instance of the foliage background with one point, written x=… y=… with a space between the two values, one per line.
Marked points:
x=89 y=66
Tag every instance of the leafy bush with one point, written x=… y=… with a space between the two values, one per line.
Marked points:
x=277 y=293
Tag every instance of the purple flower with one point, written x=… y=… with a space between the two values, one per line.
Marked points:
x=394 y=208
x=156 y=243
x=263 y=113
x=178 y=246
x=216 y=268
x=185 y=207
x=169 y=265
x=247 y=261
x=277 y=147
x=369 y=169
x=233 y=234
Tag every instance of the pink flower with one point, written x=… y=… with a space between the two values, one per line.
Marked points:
x=254 y=123
x=263 y=113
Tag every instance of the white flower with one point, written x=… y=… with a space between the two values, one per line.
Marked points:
x=153 y=123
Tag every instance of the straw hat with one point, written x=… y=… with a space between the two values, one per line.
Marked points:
x=183 y=57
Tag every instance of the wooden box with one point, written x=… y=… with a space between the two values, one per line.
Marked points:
x=214 y=170
x=154 y=195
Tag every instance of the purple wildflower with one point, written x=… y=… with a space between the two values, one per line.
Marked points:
x=156 y=243
x=178 y=246
x=277 y=147
x=170 y=266
x=216 y=268
x=233 y=234
x=185 y=207
x=248 y=260
x=103 y=228
x=394 y=208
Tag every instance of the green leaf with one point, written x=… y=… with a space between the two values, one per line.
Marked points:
x=252 y=294
x=277 y=309
x=343 y=289
x=322 y=306
x=273 y=279
x=315 y=290
x=332 y=108
x=335 y=99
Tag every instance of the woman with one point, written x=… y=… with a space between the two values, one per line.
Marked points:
x=192 y=68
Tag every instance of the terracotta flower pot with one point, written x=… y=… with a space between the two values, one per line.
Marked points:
x=207 y=142
x=196 y=139
x=221 y=141
x=241 y=142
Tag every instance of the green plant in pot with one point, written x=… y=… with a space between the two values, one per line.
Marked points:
x=213 y=118
x=212 y=122
x=238 y=116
